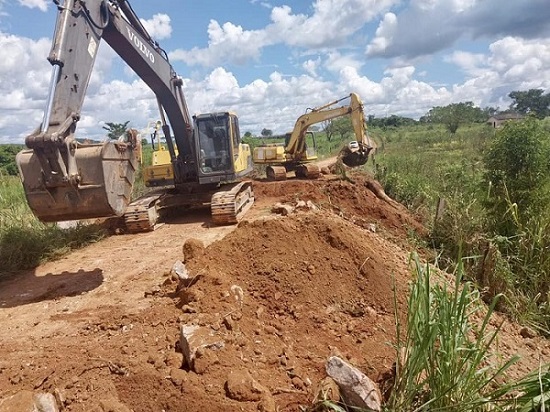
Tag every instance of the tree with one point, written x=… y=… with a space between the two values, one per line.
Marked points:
x=7 y=158
x=518 y=172
x=531 y=101
x=266 y=132
x=248 y=135
x=455 y=114
x=490 y=111
x=115 y=130
x=327 y=128
x=340 y=126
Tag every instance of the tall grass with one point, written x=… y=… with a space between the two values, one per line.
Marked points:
x=25 y=242
x=444 y=356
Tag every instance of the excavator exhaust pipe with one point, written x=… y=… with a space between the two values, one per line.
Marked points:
x=107 y=172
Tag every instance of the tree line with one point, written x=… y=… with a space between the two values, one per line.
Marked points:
x=533 y=102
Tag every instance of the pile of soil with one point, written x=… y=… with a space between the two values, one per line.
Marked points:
x=273 y=299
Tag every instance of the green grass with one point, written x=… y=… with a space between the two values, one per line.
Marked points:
x=445 y=359
x=25 y=242
x=418 y=165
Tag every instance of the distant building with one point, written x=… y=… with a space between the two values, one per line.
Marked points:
x=499 y=119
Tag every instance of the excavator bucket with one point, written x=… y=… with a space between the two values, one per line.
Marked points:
x=355 y=157
x=106 y=178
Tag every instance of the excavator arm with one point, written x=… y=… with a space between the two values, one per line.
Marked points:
x=65 y=179
x=296 y=146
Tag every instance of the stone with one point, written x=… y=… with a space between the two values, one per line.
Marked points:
x=204 y=358
x=238 y=294
x=267 y=403
x=527 y=333
x=300 y=205
x=311 y=206
x=179 y=271
x=327 y=390
x=192 y=248
x=240 y=386
x=357 y=390
x=29 y=401
x=193 y=337
x=282 y=209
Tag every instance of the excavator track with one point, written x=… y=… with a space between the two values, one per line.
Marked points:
x=275 y=172
x=142 y=215
x=229 y=206
x=308 y=171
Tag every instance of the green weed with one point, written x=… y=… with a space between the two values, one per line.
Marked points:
x=25 y=242
x=443 y=357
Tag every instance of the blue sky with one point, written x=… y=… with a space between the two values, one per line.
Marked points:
x=270 y=60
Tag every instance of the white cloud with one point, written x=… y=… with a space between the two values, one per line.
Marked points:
x=228 y=42
x=471 y=63
x=274 y=102
x=521 y=62
x=159 y=27
x=24 y=64
x=384 y=35
x=336 y=61
x=39 y=4
x=310 y=66
x=332 y=24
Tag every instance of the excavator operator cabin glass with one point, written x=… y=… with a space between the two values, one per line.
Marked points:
x=214 y=144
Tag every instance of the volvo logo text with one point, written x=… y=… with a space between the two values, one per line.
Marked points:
x=141 y=47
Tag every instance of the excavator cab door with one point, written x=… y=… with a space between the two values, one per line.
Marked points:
x=214 y=147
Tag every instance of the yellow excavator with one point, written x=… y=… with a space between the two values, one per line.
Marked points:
x=295 y=155
x=65 y=179
x=160 y=171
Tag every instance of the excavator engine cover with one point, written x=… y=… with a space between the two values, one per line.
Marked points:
x=107 y=173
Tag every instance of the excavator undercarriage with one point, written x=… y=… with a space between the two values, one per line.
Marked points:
x=228 y=204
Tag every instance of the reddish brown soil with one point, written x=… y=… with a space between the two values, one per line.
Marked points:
x=101 y=326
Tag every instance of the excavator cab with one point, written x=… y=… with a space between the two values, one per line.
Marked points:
x=222 y=156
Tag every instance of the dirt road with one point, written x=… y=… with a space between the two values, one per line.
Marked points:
x=100 y=328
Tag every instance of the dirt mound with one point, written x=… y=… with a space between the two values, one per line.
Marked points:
x=283 y=294
x=265 y=304
x=359 y=199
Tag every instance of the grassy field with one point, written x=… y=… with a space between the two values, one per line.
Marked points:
x=25 y=242
x=497 y=221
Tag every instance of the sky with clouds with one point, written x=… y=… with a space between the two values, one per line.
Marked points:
x=271 y=60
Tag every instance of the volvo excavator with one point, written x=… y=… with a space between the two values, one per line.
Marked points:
x=295 y=155
x=65 y=179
